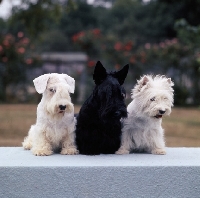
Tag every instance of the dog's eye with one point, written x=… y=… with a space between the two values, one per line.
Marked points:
x=52 y=90
x=153 y=99
x=123 y=95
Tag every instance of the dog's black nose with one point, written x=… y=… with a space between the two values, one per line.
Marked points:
x=117 y=113
x=161 y=111
x=62 y=107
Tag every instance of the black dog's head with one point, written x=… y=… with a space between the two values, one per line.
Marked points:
x=109 y=92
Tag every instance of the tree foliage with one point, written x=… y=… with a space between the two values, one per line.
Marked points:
x=158 y=36
x=37 y=16
x=15 y=57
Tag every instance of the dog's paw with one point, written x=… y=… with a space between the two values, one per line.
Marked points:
x=26 y=146
x=41 y=152
x=69 y=151
x=27 y=143
x=122 y=152
x=158 y=152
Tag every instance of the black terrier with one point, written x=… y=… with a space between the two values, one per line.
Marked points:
x=98 y=128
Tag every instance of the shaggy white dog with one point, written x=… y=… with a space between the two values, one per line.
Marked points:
x=142 y=131
x=55 y=124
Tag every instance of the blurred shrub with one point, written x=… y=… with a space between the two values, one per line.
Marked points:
x=15 y=57
x=172 y=57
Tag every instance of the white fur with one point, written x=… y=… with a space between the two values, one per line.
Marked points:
x=142 y=129
x=54 y=127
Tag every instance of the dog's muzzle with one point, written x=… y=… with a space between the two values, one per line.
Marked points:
x=161 y=113
x=121 y=114
x=62 y=108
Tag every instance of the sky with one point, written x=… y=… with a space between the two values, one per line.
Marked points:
x=6 y=6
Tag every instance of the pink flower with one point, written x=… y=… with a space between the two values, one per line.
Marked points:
x=77 y=36
x=155 y=47
x=128 y=46
x=9 y=37
x=118 y=46
x=21 y=50
x=1 y=49
x=25 y=41
x=91 y=63
x=96 y=32
x=6 y=43
x=117 y=66
x=132 y=59
x=168 y=42
x=162 y=45
x=174 y=40
x=147 y=46
x=81 y=34
x=4 y=59
x=29 y=61
x=20 y=34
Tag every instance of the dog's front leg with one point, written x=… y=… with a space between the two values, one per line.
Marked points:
x=158 y=146
x=27 y=143
x=68 y=145
x=122 y=151
x=158 y=151
x=41 y=145
x=126 y=144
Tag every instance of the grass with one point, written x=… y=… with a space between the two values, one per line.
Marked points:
x=15 y=121
x=182 y=127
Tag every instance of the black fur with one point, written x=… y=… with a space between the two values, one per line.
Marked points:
x=98 y=128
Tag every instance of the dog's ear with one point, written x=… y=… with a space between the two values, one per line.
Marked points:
x=170 y=82
x=99 y=73
x=142 y=84
x=40 y=83
x=144 y=80
x=70 y=82
x=121 y=74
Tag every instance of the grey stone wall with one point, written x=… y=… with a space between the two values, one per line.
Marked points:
x=176 y=174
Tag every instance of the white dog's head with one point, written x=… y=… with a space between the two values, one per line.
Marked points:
x=153 y=95
x=55 y=89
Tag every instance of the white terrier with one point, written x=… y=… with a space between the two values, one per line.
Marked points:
x=55 y=124
x=142 y=131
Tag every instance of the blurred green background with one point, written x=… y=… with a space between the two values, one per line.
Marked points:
x=69 y=36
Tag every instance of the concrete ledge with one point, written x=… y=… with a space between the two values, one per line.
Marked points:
x=176 y=174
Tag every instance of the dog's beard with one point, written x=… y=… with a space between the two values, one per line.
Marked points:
x=159 y=115
x=54 y=109
x=144 y=107
x=156 y=114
